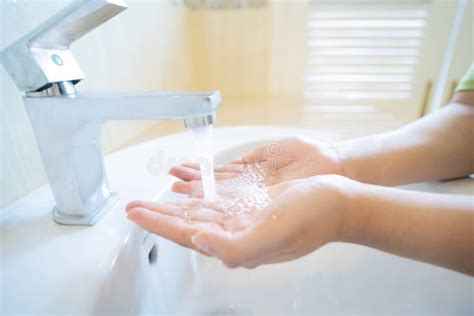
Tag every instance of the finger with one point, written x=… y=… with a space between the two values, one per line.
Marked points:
x=158 y=206
x=203 y=214
x=187 y=210
x=192 y=165
x=173 y=228
x=192 y=188
x=185 y=173
x=145 y=204
x=198 y=210
x=131 y=205
x=184 y=187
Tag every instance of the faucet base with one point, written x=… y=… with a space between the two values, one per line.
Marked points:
x=88 y=220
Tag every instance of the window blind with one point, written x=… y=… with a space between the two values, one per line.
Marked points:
x=366 y=53
x=360 y=56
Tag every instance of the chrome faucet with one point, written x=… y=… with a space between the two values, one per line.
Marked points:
x=67 y=123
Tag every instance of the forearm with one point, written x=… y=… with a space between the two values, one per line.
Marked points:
x=433 y=228
x=439 y=146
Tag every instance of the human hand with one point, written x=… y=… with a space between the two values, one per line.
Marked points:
x=287 y=159
x=301 y=216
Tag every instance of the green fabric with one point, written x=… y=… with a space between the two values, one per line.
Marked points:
x=467 y=82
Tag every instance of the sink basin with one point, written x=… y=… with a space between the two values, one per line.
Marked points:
x=337 y=279
x=115 y=267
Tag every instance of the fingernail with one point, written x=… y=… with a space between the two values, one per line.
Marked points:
x=201 y=244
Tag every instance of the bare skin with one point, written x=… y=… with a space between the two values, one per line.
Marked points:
x=305 y=214
x=315 y=219
x=438 y=146
x=313 y=210
x=287 y=159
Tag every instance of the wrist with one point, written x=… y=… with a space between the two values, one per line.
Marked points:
x=343 y=198
x=322 y=158
x=343 y=158
x=355 y=158
x=355 y=211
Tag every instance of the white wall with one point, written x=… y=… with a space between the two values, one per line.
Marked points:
x=142 y=48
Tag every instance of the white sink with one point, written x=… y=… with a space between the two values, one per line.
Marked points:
x=115 y=267
x=337 y=279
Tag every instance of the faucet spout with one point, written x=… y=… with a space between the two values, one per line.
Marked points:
x=129 y=106
x=68 y=128
x=151 y=105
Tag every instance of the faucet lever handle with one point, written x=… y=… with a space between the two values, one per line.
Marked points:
x=42 y=56
x=74 y=21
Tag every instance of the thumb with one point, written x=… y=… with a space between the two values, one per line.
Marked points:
x=236 y=249
x=211 y=242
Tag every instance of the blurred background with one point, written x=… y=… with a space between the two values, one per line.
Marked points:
x=352 y=67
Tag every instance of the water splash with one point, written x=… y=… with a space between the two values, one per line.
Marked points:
x=241 y=196
x=245 y=193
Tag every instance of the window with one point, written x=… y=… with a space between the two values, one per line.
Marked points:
x=362 y=59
